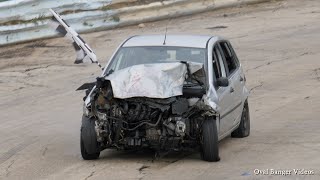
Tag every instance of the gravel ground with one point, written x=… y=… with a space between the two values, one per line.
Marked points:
x=278 y=44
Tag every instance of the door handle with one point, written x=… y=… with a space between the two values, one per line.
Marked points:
x=231 y=90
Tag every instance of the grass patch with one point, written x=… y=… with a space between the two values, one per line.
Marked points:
x=108 y=7
x=115 y=18
x=35 y=20
x=87 y=24
x=120 y=5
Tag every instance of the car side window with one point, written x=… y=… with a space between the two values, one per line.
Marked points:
x=218 y=64
x=231 y=62
x=234 y=55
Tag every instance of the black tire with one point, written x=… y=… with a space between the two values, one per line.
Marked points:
x=244 y=127
x=89 y=145
x=210 y=146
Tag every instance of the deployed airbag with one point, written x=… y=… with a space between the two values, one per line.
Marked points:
x=160 y=80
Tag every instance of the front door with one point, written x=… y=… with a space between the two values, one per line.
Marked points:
x=236 y=83
x=225 y=96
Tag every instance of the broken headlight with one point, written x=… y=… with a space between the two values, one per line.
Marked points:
x=86 y=111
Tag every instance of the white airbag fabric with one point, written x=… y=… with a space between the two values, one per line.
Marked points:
x=161 y=80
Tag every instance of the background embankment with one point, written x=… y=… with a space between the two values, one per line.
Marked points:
x=26 y=20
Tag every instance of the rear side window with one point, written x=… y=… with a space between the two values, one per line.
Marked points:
x=231 y=60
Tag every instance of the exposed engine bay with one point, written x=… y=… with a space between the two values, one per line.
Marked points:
x=161 y=123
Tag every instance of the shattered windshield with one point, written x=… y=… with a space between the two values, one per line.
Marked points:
x=130 y=56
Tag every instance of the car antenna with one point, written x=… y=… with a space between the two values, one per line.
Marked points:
x=165 y=34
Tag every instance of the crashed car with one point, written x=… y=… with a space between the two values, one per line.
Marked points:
x=165 y=92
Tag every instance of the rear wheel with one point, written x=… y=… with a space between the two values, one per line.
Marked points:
x=244 y=127
x=210 y=147
x=89 y=145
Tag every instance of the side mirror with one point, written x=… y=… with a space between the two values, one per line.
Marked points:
x=223 y=82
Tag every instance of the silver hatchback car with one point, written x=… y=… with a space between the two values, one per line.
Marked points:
x=165 y=92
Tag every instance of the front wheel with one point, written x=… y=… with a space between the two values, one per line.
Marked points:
x=210 y=146
x=89 y=145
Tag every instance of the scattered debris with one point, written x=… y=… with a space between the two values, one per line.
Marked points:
x=39 y=67
x=305 y=53
x=141 y=25
x=143 y=167
x=217 y=27
x=44 y=151
x=317 y=73
x=90 y=175
x=19 y=88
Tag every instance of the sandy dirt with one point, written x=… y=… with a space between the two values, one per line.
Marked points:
x=278 y=44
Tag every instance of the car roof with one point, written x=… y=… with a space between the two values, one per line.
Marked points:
x=196 y=41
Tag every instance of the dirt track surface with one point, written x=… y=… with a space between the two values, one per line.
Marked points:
x=278 y=44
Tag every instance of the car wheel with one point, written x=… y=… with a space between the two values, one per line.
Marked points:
x=244 y=127
x=89 y=145
x=209 y=146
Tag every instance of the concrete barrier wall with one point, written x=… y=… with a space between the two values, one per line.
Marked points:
x=27 y=20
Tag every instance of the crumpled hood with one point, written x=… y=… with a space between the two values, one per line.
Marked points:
x=161 y=80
